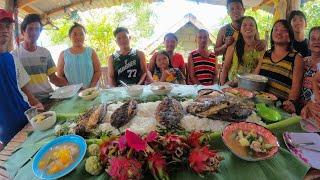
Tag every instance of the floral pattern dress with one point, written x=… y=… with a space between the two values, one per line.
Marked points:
x=176 y=77
x=250 y=62
x=306 y=91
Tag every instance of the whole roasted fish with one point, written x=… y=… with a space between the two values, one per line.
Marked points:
x=124 y=114
x=169 y=113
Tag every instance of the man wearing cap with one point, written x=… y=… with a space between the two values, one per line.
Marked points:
x=12 y=78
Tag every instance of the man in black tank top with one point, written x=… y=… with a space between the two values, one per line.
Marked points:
x=228 y=34
x=127 y=65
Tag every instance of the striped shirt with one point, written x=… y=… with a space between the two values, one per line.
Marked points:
x=279 y=74
x=204 y=67
x=39 y=65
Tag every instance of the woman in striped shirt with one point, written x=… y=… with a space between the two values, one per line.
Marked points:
x=202 y=62
x=283 y=66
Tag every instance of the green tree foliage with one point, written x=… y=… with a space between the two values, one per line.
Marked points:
x=60 y=36
x=101 y=38
x=100 y=24
x=312 y=12
x=265 y=19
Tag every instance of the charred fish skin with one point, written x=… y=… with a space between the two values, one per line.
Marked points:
x=169 y=113
x=103 y=113
x=223 y=107
x=205 y=105
x=233 y=113
x=94 y=118
x=124 y=114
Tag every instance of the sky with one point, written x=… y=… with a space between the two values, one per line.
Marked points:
x=171 y=11
x=168 y=13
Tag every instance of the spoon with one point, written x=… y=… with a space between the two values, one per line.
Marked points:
x=123 y=83
x=304 y=145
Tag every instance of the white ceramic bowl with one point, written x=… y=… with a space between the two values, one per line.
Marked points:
x=161 y=88
x=89 y=94
x=41 y=122
x=135 y=90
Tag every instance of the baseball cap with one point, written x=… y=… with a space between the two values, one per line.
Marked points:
x=5 y=15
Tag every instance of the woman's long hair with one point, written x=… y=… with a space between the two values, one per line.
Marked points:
x=168 y=56
x=240 y=42
x=287 y=25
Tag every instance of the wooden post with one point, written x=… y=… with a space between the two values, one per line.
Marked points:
x=9 y=6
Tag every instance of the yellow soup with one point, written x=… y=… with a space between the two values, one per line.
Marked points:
x=59 y=158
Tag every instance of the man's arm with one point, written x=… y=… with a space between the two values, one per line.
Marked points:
x=221 y=44
x=59 y=79
x=111 y=80
x=31 y=99
x=193 y=79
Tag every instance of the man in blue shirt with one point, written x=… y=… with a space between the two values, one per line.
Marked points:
x=12 y=103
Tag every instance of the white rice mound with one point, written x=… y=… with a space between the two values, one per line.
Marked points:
x=145 y=121
x=191 y=122
x=142 y=123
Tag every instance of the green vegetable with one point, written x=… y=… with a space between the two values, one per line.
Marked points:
x=94 y=150
x=269 y=114
x=93 y=165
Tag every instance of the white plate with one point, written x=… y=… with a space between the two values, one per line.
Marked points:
x=66 y=91
x=309 y=157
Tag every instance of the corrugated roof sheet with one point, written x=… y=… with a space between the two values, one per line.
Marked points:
x=57 y=8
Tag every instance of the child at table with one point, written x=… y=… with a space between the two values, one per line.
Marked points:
x=165 y=72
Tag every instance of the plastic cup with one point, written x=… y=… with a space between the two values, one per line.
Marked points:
x=30 y=113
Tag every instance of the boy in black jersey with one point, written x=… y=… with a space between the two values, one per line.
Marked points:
x=127 y=64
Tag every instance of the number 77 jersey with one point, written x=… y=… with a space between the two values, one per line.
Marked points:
x=127 y=67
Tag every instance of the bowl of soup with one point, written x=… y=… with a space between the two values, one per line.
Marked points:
x=161 y=88
x=250 y=141
x=59 y=157
x=89 y=94
x=44 y=121
x=135 y=90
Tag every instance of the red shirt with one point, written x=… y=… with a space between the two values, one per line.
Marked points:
x=177 y=61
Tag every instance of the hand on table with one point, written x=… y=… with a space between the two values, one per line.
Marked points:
x=165 y=73
x=39 y=106
x=289 y=106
